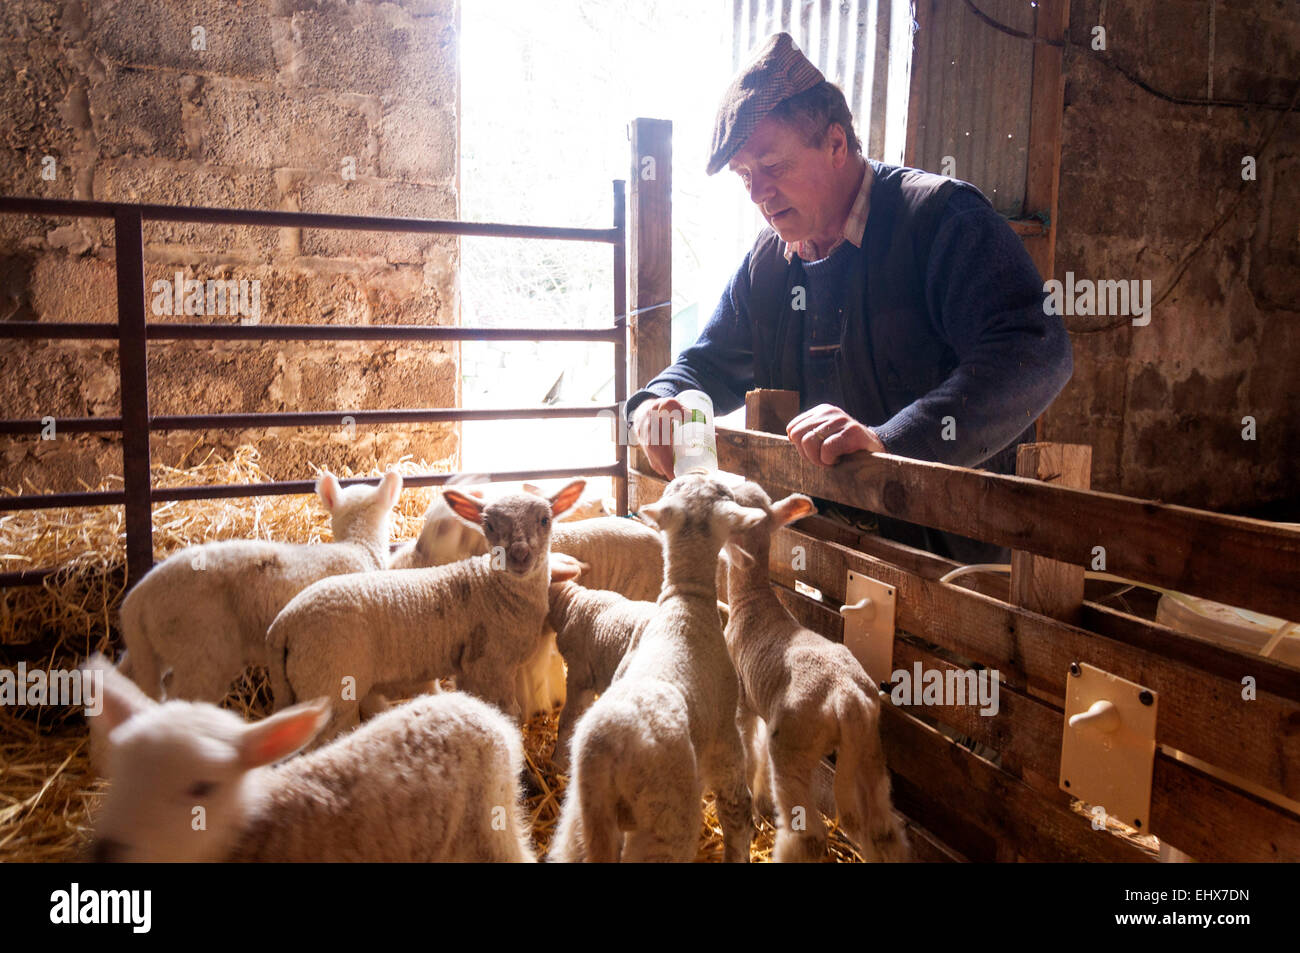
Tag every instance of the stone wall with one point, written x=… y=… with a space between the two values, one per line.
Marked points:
x=310 y=105
x=1142 y=183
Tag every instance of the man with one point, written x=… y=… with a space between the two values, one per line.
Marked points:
x=899 y=304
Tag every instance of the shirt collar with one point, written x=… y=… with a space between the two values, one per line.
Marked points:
x=854 y=226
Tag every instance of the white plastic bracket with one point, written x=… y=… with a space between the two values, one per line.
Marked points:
x=1109 y=745
x=869 y=624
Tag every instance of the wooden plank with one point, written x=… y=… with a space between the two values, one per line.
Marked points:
x=1047 y=585
x=1046 y=113
x=1240 y=561
x=650 y=251
x=943 y=768
x=770 y=410
x=1201 y=713
x=927 y=848
x=917 y=116
x=1209 y=819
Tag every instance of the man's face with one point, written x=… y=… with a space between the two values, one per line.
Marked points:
x=790 y=181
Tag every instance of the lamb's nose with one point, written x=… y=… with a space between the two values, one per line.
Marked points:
x=519 y=552
x=106 y=851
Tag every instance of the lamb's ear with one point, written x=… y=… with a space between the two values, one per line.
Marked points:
x=738 y=556
x=662 y=516
x=737 y=518
x=390 y=487
x=111 y=698
x=467 y=507
x=565 y=567
x=794 y=507
x=275 y=738
x=328 y=489
x=567 y=498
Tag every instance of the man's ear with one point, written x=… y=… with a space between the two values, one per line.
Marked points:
x=467 y=507
x=275 y=738
x=794 y=507
x=567 y=498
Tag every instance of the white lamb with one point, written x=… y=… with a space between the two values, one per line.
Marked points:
x=813 y=697
x=478 y=619
x=444 y=538
x=204 y=611
x=595 y=629
x=434 y=780
x=666 y=728
x=623 y=555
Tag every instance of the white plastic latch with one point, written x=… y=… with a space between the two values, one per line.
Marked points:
x=869 y=624
x=1109 y=745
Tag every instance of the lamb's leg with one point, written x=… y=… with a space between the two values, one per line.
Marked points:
x=495 y=685
x=668 y=827
x=753 y=734
x=800 y=831
x=731 y=794
x=577 y=701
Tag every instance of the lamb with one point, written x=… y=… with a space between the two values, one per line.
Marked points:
x=478 y=619
x=627 y=558
x=595 y=630
x=434 y=780
x=666 y=727
x=444 y=538
x=813 y=698
x=204 y=611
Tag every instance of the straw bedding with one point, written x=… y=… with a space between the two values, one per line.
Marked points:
x=47 y=791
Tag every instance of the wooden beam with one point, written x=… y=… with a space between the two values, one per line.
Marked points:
x=1046 y=108
x=1239 y=561
x=1211 y=820
x=1201 y=713
x=1047 y=585
x=650 y=253
x=770 y=410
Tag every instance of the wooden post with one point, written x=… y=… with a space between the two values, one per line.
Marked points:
x=770 y=410
x=650 y=251
x=1046 y=585
x=1046 y=106
x=620 y=346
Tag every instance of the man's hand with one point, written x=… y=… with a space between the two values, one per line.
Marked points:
x=654 y=422
x=825 y=433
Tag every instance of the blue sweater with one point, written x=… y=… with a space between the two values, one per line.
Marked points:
x=984 y=297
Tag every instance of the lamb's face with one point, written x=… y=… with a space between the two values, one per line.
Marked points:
x=694 y=502
x=177 y=785
x=518 y=526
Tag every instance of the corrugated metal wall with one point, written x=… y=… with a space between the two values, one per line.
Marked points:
x=850 y=42
x=971 y=93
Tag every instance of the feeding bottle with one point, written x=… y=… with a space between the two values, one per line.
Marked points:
x=695 y=444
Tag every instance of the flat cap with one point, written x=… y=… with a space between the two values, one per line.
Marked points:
x=778 y=71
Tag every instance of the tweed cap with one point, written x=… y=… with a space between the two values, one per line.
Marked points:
x=778 y=71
